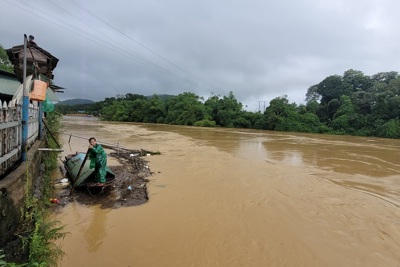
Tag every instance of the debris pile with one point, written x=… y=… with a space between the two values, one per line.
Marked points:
x=128 y=189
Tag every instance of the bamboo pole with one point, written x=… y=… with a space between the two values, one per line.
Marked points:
x=51 y=149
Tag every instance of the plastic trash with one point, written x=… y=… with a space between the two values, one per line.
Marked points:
x=63 y=183
x=54 y=200
x=129 y=187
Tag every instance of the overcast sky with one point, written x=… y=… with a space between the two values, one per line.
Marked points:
x=258 y=49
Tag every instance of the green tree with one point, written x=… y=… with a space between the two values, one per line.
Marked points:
x=356 y=80
x=385 y=77
x=184 y=109
x=156 y=110
x=389 y=129
x=225 y=111
x=345 y=108
x=312 y=106
x=330 y=88
x=137 y=109
x=211 y=105
x=117 y=111
x=278 y=110
x=313 y=94
x=283 y=116
x=130 y=96
x=343 y=116
x=248 y=119
x=363 y=101
x=5 y=63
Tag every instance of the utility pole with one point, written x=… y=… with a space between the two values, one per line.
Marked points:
x=259 y=105
x=25 y=108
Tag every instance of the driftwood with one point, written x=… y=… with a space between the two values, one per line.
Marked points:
x=132 y=159
x=132 y=156
x=129 y=152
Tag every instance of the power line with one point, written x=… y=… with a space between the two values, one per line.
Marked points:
x=130 y=38
x=92 y=37
x=100 y=41
x=108 y=37
x=259 y=105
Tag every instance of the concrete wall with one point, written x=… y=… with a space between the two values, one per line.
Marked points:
x=12 y=193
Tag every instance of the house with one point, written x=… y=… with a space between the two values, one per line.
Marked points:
x=18 y=133
x=38 y=61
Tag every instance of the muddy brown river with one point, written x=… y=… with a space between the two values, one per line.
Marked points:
x=235 y=197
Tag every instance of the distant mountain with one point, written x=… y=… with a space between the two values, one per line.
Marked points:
x=76 y=101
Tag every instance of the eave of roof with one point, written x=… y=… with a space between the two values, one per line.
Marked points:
x=51 y=96
x=36 y=56
x=8 y=83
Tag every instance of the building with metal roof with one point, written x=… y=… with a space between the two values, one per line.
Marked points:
x=9 y=85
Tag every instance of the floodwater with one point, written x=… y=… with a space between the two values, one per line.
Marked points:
x=234 y=197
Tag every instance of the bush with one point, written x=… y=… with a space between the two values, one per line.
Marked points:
x=390 y=129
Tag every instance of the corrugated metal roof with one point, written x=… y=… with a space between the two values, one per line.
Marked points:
x=50 y=95
x=9 y=85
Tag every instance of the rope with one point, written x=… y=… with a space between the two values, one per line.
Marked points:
x=87 y=138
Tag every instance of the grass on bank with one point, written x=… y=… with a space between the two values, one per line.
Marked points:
x=36 y=231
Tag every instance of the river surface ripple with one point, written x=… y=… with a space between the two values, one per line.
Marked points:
x=236 y=197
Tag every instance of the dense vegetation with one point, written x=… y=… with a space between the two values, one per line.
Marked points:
x=5 y=63
x=352 y=104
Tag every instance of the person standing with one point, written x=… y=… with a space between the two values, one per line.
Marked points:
x=98 y=160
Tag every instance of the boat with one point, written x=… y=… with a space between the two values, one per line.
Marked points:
x=77 y=167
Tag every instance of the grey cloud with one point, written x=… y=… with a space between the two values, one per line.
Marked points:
x=257 y=49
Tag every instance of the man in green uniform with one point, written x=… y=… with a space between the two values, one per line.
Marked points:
x=98 y=160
